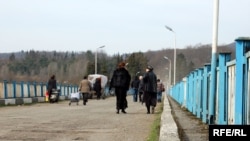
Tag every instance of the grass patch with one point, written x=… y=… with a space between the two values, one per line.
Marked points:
x=156 y=126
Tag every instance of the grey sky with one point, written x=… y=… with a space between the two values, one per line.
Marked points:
x=123 y=26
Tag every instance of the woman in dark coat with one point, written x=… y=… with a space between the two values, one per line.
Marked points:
x=120 y=81
x=150 y=89
x=51 y=85
x=98 y=87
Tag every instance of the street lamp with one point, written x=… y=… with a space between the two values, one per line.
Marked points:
x=169 y=71
x=170 y=29
x=96 y=58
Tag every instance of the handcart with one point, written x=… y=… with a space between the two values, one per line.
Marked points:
x=74 y=97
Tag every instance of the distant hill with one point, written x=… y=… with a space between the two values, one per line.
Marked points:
x=39 y=65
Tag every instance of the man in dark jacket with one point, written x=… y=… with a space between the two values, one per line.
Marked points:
x=150 y=89
x=135 y=85
x=120 y=81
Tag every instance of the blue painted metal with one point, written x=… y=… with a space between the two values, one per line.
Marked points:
x=35 y=90
x=199 y=92
x=14 y=89
x=205 y=92
x=223 y=59
x=195 y=92
x=41 y=90
x=22 y=90
x=28 y=86
x=211 y=109
x=5 y=82
x=10 y=89
x=191 y=91
x=203 y=89
x=241 y=49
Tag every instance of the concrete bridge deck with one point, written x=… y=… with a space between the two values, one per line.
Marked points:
x=94 y=122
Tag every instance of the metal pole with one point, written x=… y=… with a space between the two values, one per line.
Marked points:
x=212 y=96
x=174 y=57
x=169 y=74
x=169 y=71
x=96 y=58
x=96 y=61
x=170 y=29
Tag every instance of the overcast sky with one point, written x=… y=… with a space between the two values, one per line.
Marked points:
x=123 y=26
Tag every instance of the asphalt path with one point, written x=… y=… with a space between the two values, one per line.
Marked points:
x=97 y=121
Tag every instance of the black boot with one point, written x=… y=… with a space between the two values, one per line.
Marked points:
x=117 y=111
x=123 y=111
x=148 y=109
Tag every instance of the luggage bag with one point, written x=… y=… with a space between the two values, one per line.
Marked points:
x=74 y=97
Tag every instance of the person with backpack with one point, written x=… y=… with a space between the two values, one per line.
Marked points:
x=120 y=81
x=135 y=85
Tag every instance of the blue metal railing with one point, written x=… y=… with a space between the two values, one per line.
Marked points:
x=22 y=89
x=231 y=99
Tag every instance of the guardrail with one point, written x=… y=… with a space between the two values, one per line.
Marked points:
x=232 y=95
x=29 y=92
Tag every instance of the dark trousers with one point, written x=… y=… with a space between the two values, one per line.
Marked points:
x=98 y=94
x=150 y=99
x=85 y=98
x=135 y=96
x=159 y=96
x=121 y=101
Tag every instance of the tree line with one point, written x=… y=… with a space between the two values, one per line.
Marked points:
x=70 y=67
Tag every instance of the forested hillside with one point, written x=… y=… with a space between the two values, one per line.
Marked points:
x=69 y=67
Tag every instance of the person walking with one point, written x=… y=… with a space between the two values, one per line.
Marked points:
x=84 y=89
x=141 y=89
x=51 y=86
x=98 y=88
x=160 y=89
x=135 y=85
x=120 y=81
x=150 y=89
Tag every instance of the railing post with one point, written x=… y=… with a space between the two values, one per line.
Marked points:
x=28 y=88
x=223 y=59
x=41 y=88
x=242 y=46
x=14 y=89
x=191 y=91
x=5 y=82
x=205 y=92
x=22 y=91
x=195 y=92
x=199 y=92
x=35 y=90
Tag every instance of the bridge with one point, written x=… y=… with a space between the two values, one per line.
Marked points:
x=227 y=104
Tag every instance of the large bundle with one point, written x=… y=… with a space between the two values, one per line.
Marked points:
x=92 y=79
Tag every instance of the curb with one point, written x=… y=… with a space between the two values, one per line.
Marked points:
x=169 y=130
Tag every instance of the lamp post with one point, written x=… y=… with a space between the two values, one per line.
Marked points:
x=169 y=71
x=170 y=29
x=96 y=58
